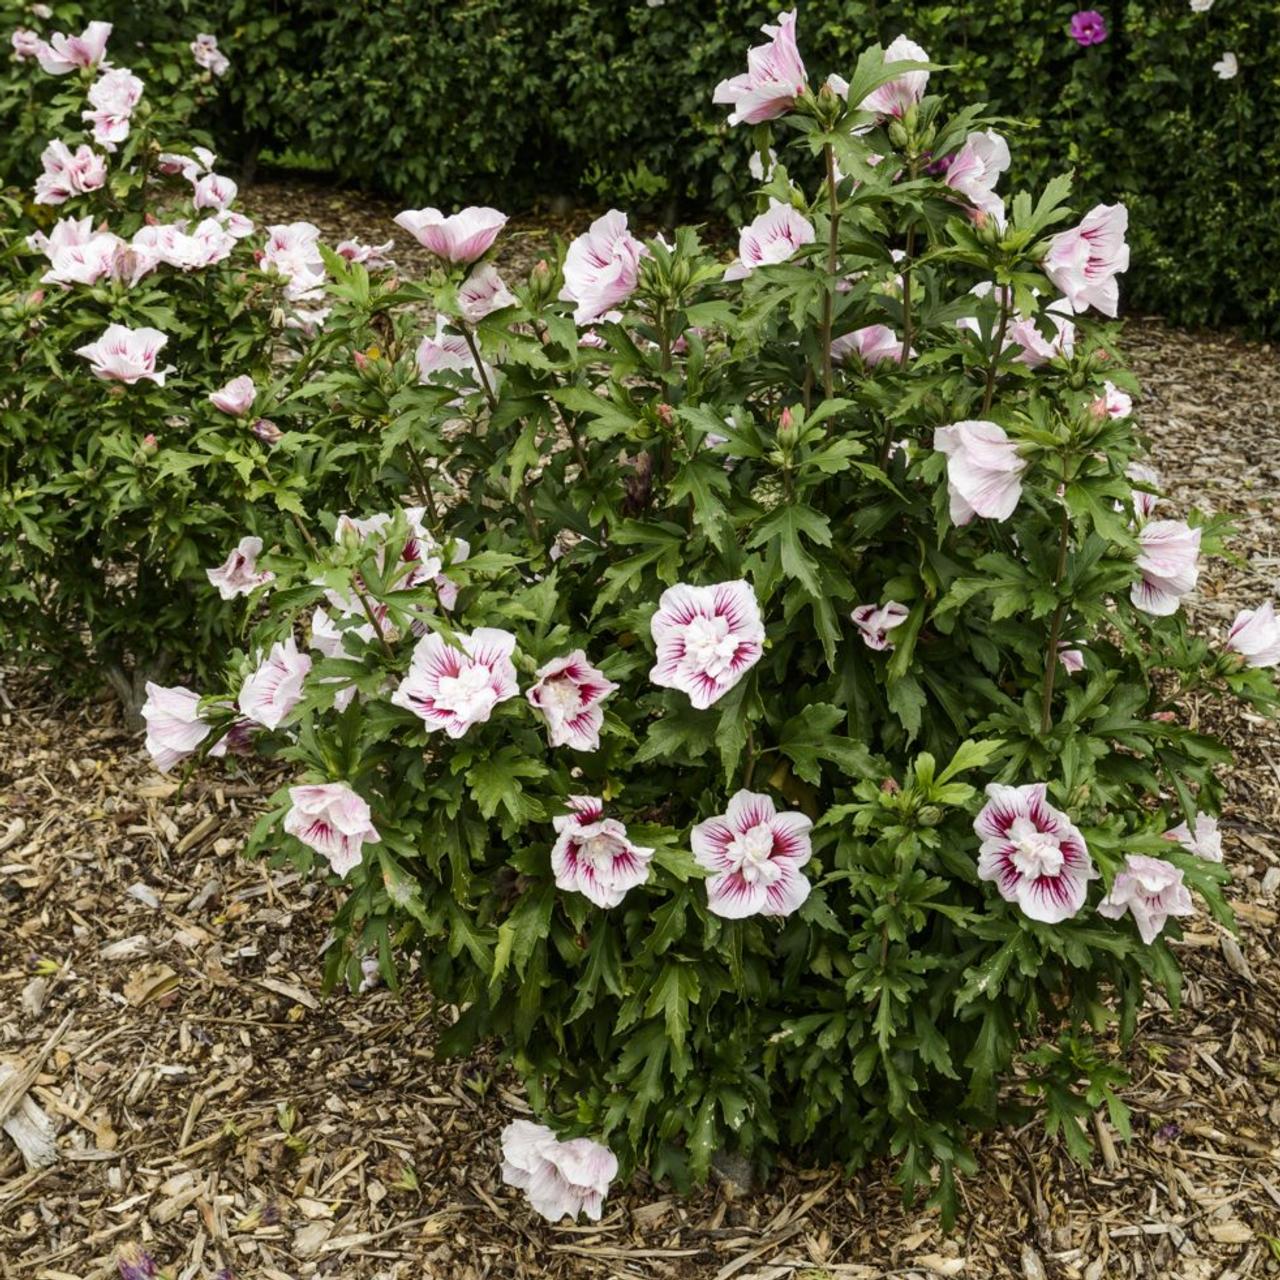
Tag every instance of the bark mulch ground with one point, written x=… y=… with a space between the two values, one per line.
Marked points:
x=163 y=997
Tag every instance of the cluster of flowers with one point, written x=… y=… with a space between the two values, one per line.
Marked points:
x=705 y=637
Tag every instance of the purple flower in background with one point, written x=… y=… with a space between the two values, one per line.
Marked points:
x=1088 y=27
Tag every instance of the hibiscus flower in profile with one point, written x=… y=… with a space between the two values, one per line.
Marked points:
x=775 y=77
x=1033 y=852
x=1150 y=890
x=896 y=97
x=773 y=237
x=126 y=355
x=984 y=470
x=561 y=1179
x=754 y=854
x=1168 y=560
x=239 y=574
x=707 y=639
x=602 y=268
x=333 y=820
x=459 y=239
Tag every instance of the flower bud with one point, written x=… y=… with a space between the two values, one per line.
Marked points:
x=267 y=431
x=35 y=297
x=929 y=816
x=666 y=415
x=788 y=432
x=149 y=443
x=362 y=360
x=898 y=134
x=890 y=786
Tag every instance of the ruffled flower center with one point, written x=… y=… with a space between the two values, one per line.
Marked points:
x=469 y=692
x=710 y=645
x=1034 y=853
x=751 y=854
x=600 y=850
x=559 y=697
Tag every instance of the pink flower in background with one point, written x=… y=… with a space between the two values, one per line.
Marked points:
x=1151 y=890
x=1168 y=556
x=333 y=820
x=1143 y=503
x=602 y=268
x=69 y=173
x=773 y=237
x=461 y=238
x=1201 y=6
x=873 y=345
x=984 y=470
x=174 y=726
x=1084 y=261
x=594 y=856
x=87 y=263
x=236 y=225
x=1033 y=852
x=113 y=97
x=451 y=688
x=1201 y=838
x=1025 y=332
x=976 y=168
x=275 y=688
x=1112 y=403
x=372 y=256
x=774 y=79
x=65 y=233
x=875 y=621
x=292 y=251
x=898 y=96
x=239 y=574
x=27 y=44
x=483 y=293
x=757 y=167
x=707 y=639
x=1088 y=27
x=236 y=398
x=568 y=694
x=755 y=854
x=1227 y=67
x=267 y=431
x=328 y=638
x=1255 y=636
x=126 y=355
x=190 y=167
x=213 y=191
x=444 y=353
x=207 y=55
x=1072 y=659
x=65 y=53
x=560 y=1178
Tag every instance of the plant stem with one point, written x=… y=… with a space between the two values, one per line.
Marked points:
x=833 y=257
x=989 y=394
x=1055 y=627
x=485 y=384
x=373 y=620
x=424 y=483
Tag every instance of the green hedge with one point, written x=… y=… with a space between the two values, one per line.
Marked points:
x=507 y=100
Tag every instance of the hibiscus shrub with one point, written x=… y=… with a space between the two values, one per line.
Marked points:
x=653 y=724
x=148 y=329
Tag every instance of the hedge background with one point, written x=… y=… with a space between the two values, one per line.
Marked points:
x=504 y=101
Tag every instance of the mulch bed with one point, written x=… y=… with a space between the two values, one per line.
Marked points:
x=216 y=1108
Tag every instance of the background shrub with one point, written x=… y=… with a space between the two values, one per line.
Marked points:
x=489 y=101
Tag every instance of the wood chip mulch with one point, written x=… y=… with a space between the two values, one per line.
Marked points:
x=162 y=996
